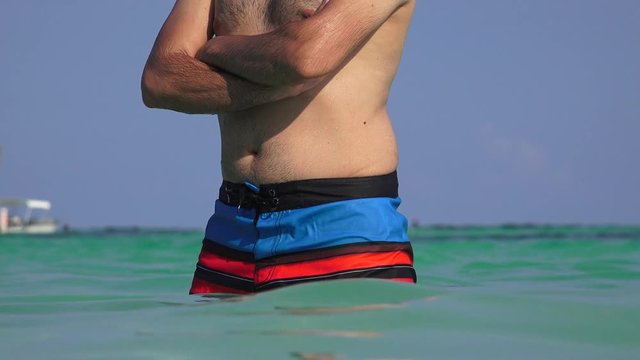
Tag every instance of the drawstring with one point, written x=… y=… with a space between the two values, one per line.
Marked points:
x=250 y=196
x=255 y=197
x=259 y=201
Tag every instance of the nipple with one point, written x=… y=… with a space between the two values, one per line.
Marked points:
x=308 y=13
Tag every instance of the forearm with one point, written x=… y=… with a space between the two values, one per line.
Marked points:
x=302 y=50
x=173 y=79
x=264 y=59
x=181 y=83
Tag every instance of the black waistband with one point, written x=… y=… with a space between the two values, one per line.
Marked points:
x=306 y=193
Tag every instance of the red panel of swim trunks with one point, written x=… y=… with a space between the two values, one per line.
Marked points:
x=229 y=271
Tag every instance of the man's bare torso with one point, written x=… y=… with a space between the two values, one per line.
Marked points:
x=340 y=129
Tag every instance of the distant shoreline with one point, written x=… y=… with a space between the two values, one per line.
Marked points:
x=508 y=231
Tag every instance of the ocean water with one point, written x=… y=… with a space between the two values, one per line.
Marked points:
x=511 y=292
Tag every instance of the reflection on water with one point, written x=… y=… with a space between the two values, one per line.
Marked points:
x=312 y=356
x=219 y=298
x=334 y=310
x=323 y=333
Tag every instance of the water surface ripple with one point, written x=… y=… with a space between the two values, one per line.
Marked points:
x=511 y=292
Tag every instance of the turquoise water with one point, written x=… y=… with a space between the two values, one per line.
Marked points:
x=509 y=292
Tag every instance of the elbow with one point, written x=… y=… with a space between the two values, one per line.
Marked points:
x=307 y=70
x=307 y=64
x=151 y=89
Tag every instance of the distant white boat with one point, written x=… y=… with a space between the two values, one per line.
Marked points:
x=26 y=216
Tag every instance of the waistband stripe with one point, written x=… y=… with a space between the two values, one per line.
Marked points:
x=306 y=193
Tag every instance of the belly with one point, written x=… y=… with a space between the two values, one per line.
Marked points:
x=337 y=132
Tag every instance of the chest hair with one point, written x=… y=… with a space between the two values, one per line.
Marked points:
x=263 y=15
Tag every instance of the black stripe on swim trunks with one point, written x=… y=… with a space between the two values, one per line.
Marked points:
x=308 y=255
x=224 y=279
x=386 y=272
x=232 y=254
x=306 y=193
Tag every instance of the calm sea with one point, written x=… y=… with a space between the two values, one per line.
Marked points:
x=512 y=292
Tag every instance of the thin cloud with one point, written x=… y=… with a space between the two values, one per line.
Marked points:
x=523 y=157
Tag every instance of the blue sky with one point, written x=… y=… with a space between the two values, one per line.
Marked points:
x=505 y=111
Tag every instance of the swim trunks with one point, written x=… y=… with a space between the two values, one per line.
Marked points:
x=262 y=238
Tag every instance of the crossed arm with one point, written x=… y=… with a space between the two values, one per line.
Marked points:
x=173 y=79
x=302 y=50
x=189 y=73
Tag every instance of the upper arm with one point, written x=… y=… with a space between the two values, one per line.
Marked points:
x=322 y=43
x=187 y=28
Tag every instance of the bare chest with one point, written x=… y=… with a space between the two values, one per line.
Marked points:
x=259 y=16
